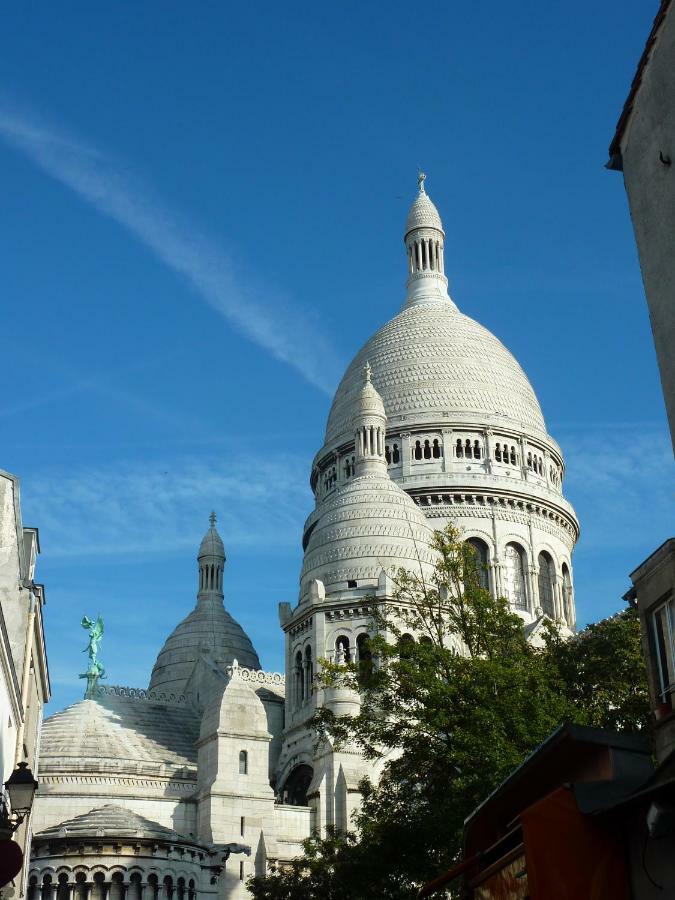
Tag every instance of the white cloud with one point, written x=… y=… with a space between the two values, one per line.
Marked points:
x=621 y=481
x=126 y=509
x=275 y=325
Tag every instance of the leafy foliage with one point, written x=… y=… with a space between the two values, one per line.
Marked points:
x=453 y=698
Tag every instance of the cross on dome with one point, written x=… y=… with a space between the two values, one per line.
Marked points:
x=421 y=178
x=213 y=519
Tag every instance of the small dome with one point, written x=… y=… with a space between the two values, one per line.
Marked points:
x=369 y=402
x=423 y=214
x=370 y=524
x=112 y=821
x=212 y=543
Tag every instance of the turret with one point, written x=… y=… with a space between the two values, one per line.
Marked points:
x=425 y=243
x=370 y=424
x=211 y=562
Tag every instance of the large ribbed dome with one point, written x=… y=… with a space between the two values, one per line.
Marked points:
x=369 y=525
x=431 y=362
x=209 y=628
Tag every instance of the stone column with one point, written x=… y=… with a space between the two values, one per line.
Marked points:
x=447 y=449
x=523 y=456
x=547 y=468
x=405 y=454
x=487 y=434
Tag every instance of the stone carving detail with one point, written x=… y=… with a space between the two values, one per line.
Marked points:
x=137 y=694
x=255 y=675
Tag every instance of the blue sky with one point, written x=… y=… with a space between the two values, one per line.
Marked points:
x=202 y=222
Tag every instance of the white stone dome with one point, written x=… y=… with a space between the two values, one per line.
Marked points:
x=423 y=214
x=432 y=363
x=368 y=525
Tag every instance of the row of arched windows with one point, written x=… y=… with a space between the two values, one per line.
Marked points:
x=329 y=479
x=536 y=463
x=514 y=578
x=506 y=454
x=210 y=578
x=427 y=449
x=97 y=888
x=350 y=467
x=392 y=455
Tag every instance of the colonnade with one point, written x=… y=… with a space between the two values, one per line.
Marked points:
x=110 y=886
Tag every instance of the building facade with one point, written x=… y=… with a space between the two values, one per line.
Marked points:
x=433 y=421
x=24 y=676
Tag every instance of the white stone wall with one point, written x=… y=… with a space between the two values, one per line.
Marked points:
x=648 y=152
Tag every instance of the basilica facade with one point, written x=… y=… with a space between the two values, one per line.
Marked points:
x=213 y=772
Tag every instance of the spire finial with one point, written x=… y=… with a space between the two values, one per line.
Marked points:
x=213 y=519
x=368 y=370
x=421 y=178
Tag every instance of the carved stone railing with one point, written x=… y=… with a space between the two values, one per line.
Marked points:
x=132 y=693
x=257 y=676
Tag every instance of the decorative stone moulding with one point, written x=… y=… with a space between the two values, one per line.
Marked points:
x=255 y=675
x=138 y=694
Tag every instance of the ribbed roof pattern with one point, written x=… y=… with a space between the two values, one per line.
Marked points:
x=209 y=628
x=423 y=214
x=113 y=731
x=368 y=525
x=431 y=361
x=112 y=821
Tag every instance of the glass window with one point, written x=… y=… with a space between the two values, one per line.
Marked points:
x=514 y=576
x=663 y=624
x=546 y=577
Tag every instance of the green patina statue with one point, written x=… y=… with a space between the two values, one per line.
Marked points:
x=95 y=670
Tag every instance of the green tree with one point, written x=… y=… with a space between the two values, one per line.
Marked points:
x=448 y=715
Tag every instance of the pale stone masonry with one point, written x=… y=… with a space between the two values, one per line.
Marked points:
x=24 y=676
x=433 y=421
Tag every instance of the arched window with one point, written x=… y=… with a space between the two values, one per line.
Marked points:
x=387 y=454
x=63 y=891
x=116 y=889
x=476 y=450
x=546 y=581
x=168 y=887
x=309 y=672
x=467 y=449
x=97 y=888
x=396 y=456
x=427 y=450
x=180 y=889
x=298 y=680
x=294 y=792
x=513 y=456
x=191 y=889
x=365 y=656
x=514 y=576
x=342 y=654
x=153 y=887
x=243 y=762
x=437 y=451
x=134 y=889
x=567 y=593
x=81 y=891
x=459 y=450
x=417 y=451
x=498 y=453
x=481 y=550
x=405 y=643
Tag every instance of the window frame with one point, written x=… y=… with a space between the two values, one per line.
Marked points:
x=666 y=691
